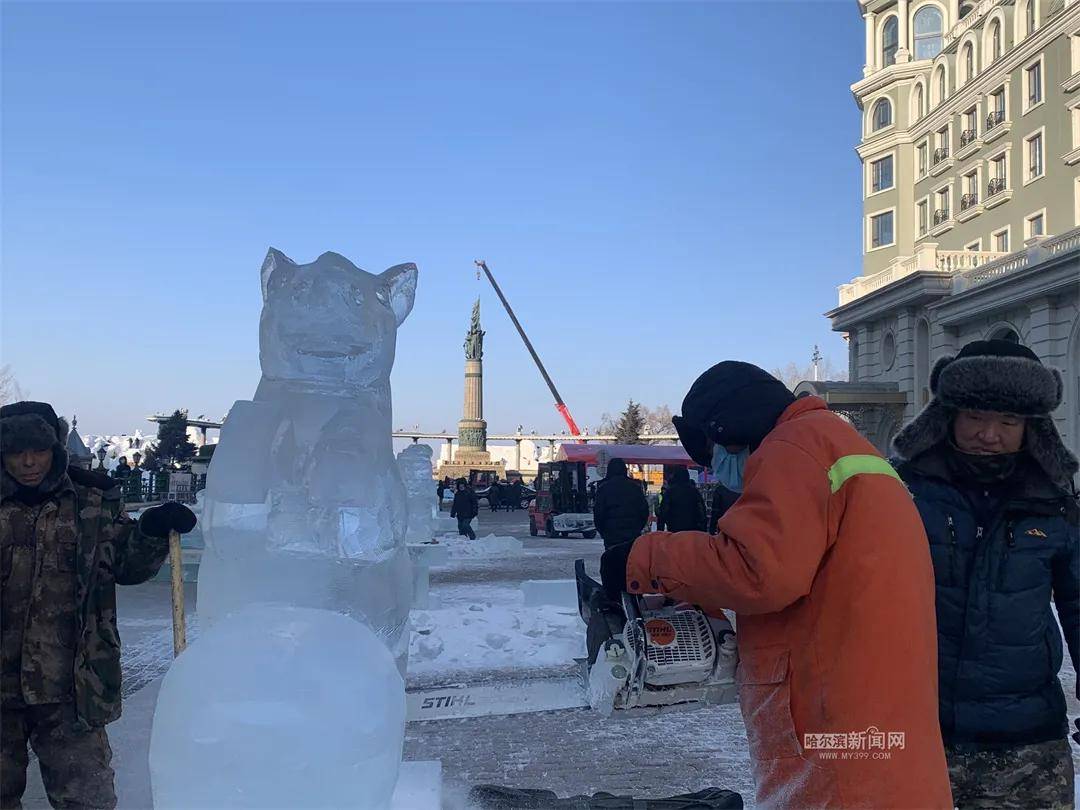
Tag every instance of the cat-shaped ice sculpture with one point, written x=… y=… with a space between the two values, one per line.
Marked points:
x=305 y=505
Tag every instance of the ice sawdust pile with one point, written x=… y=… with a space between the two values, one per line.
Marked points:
x=490 y=628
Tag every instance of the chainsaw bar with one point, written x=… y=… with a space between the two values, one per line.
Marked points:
x=498 y=698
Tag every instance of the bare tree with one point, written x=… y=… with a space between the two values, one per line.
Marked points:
x=10 y=390
x=791 y=374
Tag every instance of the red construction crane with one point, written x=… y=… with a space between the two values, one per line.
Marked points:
x=560 y=406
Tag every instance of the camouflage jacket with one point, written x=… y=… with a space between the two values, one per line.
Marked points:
x=109 y=549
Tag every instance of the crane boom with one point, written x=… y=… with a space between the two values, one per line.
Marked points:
x=560 y=406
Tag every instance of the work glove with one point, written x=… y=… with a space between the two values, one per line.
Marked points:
x=613 y=564
x=171 y=516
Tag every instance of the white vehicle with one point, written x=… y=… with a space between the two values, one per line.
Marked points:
x=650 y=654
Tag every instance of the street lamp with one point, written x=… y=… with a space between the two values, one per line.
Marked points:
x=101 y=453
x=136 y=457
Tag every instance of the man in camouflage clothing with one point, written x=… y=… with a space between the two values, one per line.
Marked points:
x=66 y=543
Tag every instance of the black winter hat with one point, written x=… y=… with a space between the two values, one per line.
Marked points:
x=997 y=375
x=616 y=467
x=1000 y=376
x=733 y=403
x=30 y=426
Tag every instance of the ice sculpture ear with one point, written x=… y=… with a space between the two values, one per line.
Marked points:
x=275 y=260
x=399 y=283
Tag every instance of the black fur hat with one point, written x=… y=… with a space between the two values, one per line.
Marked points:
x=30 y=426
x=1001 y=376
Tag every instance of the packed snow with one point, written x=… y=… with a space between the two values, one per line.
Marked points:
x=491 y=546
x=490 y=628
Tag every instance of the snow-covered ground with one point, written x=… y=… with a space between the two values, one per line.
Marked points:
x=488 y=627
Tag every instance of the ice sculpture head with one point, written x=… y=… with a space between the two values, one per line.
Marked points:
x=331 y=321
x=415 y=464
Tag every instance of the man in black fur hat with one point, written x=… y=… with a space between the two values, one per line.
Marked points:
x=65 y=543
x=994 y=485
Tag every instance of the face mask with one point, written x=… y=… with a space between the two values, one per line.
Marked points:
x=728 y=467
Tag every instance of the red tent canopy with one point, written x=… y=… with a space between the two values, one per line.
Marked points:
x=671 y=454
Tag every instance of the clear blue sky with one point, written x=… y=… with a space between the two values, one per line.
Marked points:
x=657 y=187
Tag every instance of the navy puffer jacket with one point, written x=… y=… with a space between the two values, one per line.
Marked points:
x=1001 y=554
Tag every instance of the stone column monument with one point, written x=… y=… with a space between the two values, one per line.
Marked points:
x=472 y=453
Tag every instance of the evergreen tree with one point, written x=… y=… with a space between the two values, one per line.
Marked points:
x=173 y=446
x=630 y=425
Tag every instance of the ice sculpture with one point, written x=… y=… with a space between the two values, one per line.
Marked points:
x=311 y=714
x=415 y=465
x=305 y=504
x=305 y=565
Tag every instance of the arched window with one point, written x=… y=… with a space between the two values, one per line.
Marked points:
x=882 y=116
x=1029 y=18
x=965 y=9
x=942 y=89
x=995 y=41
x=1005 y=333
x=969 y=62
x=928 y=32
x=889 y=42
x=920 y=110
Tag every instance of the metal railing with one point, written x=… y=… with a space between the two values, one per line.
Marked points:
x=968 y=136
x=995 y=186
x=969 y=200
x=941 y=215
x=994 y=118
x=940 y=154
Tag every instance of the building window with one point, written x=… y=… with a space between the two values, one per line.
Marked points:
x=1035 y=225
x=941 y=213
x=941 y=152
x=1034 y=85
x=969 y=62
x=922 y=153
x=1034 y=156
x=881 y=174
x=1001 y=240
x=998 y=173
x=924 y=217
x=928 y=27
x=997 y=108
x=888 y=351
x=971 y=127
x=1075 y=115
x=882 y=116
x=942 y=88
x=975 y=246
x=995 y=41
x=1029 y=18
x=970 y=196
x=919 y=102
x=881 y=230
x=889 y=42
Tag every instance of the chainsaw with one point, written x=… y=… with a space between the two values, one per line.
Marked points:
x=650 y=654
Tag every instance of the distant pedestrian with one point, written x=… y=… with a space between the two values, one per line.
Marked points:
x=466 y=506
x=682 y=508
x=722 y=500
x=440 y=490
x=516 y=494
x=494 y=498
x=620 y=510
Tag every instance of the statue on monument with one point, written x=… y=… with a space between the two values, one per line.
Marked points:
x=474 y=339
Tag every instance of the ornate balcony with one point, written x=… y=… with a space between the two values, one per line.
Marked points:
x=995 y=186
x=940 y=154
x=968 y=136
x=994 y=118
x=941 y=216
x=969 y=201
